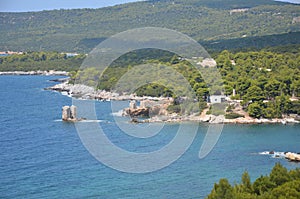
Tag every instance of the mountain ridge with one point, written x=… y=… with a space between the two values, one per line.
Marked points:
x=72 y=30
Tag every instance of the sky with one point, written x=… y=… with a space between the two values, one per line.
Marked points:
x=291 y=1
x=38 y=5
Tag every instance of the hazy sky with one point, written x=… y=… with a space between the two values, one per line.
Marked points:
x=292 y=1
x=37 y=5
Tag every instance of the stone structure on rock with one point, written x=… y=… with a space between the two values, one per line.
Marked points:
x=147 y=108
x=66 y=113
x=138 y=112
x=132 y=104
x=73 y=110
x=69 y=113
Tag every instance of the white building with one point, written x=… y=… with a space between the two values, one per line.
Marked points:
x=216 y=99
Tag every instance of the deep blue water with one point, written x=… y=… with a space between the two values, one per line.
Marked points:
x=42 y=157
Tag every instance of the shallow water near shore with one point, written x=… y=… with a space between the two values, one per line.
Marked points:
x=43 y=157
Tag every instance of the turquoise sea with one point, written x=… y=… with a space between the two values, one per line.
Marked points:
x=42 y=157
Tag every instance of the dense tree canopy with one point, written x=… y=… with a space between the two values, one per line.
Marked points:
x=264 y=80
x=33 y=61
x=281 y=183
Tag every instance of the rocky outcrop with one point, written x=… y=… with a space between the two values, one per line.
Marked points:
x=138 y=112
x=292 y=157
x=147 y=108
x=87 y=92
x=76 y=90
x=217 y=119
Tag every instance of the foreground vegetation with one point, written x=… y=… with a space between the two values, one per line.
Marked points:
x=280 y=184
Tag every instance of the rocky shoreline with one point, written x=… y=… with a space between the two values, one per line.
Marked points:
x=46 y=73
x=86 y=92
x=159 y=105
x=291 y=157
x=212 y=119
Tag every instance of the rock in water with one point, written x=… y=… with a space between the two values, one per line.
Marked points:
x=139 y=112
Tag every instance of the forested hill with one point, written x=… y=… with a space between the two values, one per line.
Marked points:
x=204 y=20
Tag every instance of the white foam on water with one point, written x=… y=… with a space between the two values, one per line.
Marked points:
x=118 y=114
x=264 y=153
x=87 y=121
x=274 y=154
x=91 y=121
x=278 y=155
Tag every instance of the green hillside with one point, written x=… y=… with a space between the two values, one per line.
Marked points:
x=204 y=20
x=289 y=40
